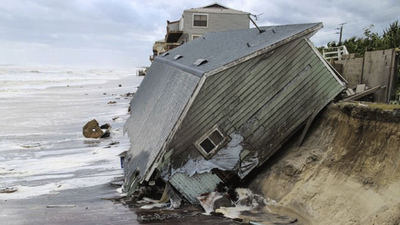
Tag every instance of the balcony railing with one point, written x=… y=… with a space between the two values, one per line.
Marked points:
x=335 y=53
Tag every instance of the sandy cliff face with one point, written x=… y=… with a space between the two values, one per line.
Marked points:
x=346 y=172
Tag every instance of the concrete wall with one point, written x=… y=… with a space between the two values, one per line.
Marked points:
x=376 y=68
x=173 y=27
x=379 y=69
x=351 y=69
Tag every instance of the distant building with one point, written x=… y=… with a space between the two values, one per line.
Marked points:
x=196 y=22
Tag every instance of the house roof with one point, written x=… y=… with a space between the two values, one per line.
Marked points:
x=222 y=48
x=155 y=109
x=215 y=8
x=215 y=5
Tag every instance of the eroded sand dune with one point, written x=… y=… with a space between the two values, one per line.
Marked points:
x=346 y=172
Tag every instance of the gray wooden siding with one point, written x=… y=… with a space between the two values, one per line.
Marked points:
x=216 y=22
x=264 y=98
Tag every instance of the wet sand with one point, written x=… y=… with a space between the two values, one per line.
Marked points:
x=90 y=206
x=82 y=206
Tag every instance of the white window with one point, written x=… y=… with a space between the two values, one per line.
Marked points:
x=200 y=20
x=211 y=142
x=194 y=36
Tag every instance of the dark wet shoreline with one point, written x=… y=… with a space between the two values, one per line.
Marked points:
x=90 y=206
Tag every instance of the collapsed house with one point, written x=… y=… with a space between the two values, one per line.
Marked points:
x=221 y=105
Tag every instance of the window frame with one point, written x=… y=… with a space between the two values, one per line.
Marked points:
x=218 y=146
x=200 y=14
x=196 y=35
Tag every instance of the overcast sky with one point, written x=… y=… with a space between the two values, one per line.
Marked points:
x=120 y=33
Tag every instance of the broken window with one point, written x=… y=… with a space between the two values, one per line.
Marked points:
x=200 y=20
x=211 y=142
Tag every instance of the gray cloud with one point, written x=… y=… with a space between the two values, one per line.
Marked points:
x=121 y=32
x=357 y=14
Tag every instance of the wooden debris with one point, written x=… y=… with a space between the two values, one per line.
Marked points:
x=362 y=94
x=350 y=92
x=360 y=88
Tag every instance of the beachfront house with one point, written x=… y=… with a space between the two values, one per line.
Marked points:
x=196 y=22
x=219 y=106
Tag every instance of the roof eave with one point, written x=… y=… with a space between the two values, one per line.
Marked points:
x=216 y=3
x=191 y=70
x=226 y=11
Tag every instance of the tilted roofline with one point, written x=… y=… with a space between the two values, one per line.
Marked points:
x=309 y=32
x=223 y=50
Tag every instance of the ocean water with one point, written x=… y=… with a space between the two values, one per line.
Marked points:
x=44 y=155
x=42 y=112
